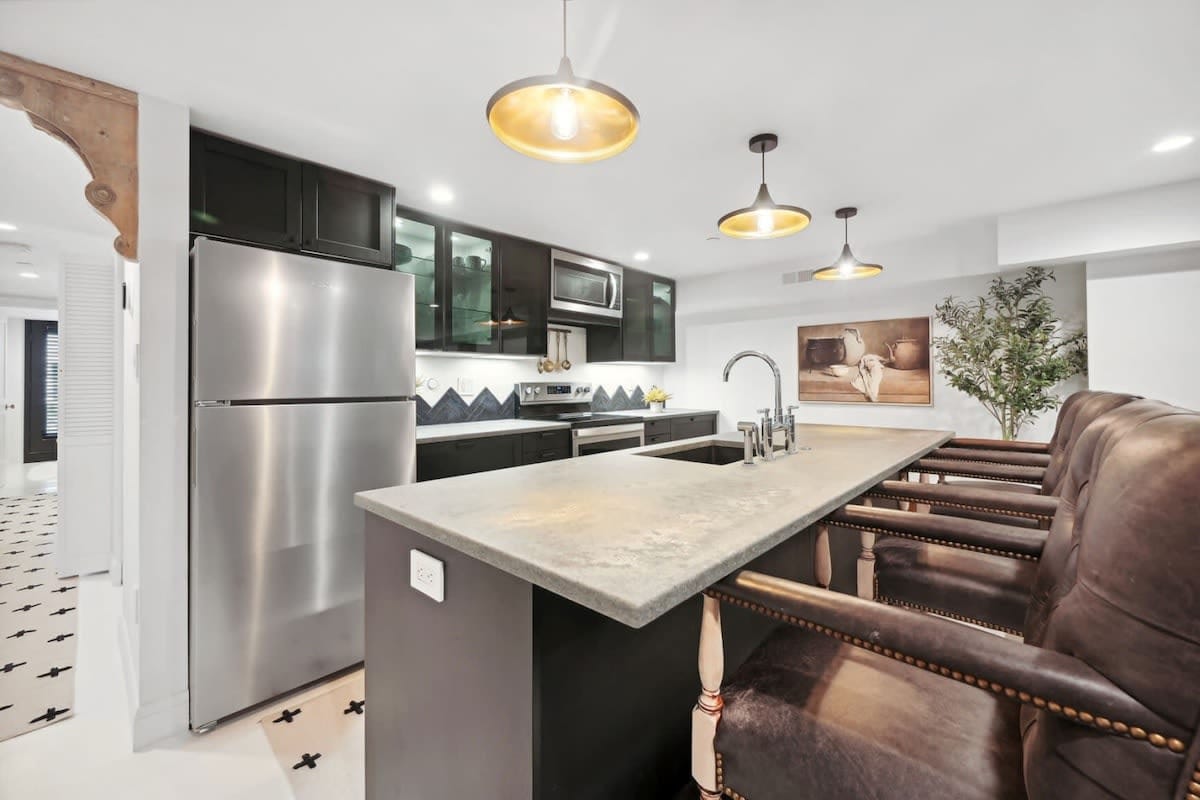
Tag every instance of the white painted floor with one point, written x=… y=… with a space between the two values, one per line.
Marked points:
x=90 y=755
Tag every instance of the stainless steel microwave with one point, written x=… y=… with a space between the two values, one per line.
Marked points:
x=583 y=285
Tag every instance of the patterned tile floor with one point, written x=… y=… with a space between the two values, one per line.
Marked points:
x=319 y=742
x=38 y=613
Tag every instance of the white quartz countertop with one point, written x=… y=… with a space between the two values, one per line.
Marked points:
x=472 y=430
x=630 y=536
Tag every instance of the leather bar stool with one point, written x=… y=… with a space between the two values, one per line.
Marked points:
x=854 y=699
x=980 y=571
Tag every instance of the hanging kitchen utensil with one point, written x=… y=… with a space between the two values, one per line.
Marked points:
x=566 y=362
x=554 y=365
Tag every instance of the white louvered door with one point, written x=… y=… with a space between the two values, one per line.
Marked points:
x=88 y=316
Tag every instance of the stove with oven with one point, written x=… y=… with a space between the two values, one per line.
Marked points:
x=591 y=432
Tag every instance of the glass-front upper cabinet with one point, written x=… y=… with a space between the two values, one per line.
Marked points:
x=416 y=252
x=472 y=320
x=662 y=319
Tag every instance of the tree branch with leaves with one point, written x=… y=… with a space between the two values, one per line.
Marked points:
x=1008 y=349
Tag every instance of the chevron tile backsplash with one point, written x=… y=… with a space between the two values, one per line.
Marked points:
x=452 y=408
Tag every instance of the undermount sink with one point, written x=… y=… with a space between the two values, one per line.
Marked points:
x=704 y=453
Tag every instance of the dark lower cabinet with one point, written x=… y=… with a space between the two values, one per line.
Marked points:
x=347 y=216
x=244 y=194
x=485 y=453
x=465 y=456
x=688 y=427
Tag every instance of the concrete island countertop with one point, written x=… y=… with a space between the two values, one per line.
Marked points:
x=630 y=536
x=475 y=430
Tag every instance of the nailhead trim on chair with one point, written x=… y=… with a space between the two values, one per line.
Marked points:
x=963 y=474
x=1084 y=717
x=891 y=601
x=882 y=495
x=1193 y=787
x=929 y=540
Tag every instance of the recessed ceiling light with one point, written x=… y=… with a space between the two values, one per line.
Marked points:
x=641 y=255
x=7 y=226
x=441 y=195
x=28 y=274
x=1173 y=143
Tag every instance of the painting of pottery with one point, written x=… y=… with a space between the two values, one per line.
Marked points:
x=881 y=361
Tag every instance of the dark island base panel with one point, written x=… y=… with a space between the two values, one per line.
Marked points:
x=511 y=692
x=451 y=407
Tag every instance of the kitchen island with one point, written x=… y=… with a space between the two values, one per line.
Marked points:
x=561 y=662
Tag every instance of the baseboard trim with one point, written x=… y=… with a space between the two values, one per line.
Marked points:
x=159 y=720
x=155 y=721
x=128 y=671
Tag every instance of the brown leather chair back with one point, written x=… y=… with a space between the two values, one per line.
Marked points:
x=1078 y=412
x=1119 y=590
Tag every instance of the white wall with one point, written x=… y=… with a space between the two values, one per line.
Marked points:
x=499 y=374
x=756 y=320
x=1146 y=339
x=154 y=628
x=1162 y=216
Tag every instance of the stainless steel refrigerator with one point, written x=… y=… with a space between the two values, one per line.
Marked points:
x=303 y=379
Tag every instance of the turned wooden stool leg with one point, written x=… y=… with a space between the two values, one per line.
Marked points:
x=866 y=562
x=923 y=508
x=705 y=769
x=822 y=559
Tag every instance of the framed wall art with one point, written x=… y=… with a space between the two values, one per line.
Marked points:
x=884 y=361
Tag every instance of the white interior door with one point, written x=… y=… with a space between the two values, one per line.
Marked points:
x=87 y=410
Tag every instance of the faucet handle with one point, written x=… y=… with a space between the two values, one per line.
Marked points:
x=764 y=411
x=792 y=407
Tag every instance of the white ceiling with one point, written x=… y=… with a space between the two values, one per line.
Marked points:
x=42 y=194
x=924 y=113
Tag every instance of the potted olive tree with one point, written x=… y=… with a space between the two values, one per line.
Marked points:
x=1009 y=350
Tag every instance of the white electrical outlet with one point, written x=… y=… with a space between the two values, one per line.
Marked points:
x=466 y=386
x=427 y=575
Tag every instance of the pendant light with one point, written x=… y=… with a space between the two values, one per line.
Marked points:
x=563 y=117
x=764 y=218
x=847 y=267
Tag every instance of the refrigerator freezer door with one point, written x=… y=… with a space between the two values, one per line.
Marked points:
x=276 y=566
x=279 y=326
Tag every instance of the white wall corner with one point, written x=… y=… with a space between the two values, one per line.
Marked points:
x=160 y=656
x=1127 y=222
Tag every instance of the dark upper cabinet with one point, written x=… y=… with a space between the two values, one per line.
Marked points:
x=245 y=194
x=242 y=193
x=472 y=281
x=662 y=319
x=647 y=331
x=347 y=216
x=524 y=302
x=418 y=251
x=476 y=291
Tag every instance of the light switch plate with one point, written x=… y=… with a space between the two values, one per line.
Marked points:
x=466 y=386
x=427 y=575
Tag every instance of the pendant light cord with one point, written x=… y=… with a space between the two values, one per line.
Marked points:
x=845 y=230
x=764 y=165
x=564 y=28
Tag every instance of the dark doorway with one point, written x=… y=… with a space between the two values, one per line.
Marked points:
x=41 y=390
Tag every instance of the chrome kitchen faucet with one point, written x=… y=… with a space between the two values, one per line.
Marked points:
x=771 y=418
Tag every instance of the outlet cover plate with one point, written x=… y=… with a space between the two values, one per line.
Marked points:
x=427 y=575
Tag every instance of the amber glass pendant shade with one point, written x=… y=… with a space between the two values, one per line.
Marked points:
x=562 y=117
x=847 y=267
x=764 y=218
